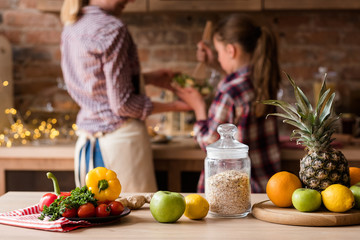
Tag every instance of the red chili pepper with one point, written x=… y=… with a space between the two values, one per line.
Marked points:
x=65 y=194
x=49 y=198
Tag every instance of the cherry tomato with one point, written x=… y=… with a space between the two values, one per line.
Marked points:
x=105 y=202
x=116 y=207
x=86 y=210
x=70 y=213
x=103 y=210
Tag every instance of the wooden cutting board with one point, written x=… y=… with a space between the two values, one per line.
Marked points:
x=268 y=212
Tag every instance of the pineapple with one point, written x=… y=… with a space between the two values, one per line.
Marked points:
x=323 y=165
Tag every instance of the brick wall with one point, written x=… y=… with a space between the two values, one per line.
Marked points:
x=307 y=40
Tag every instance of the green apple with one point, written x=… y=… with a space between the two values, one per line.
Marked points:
x=356 y=191
x=167 y=207
x=306 y=199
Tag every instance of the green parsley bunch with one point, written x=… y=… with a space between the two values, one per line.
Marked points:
x=78 y=197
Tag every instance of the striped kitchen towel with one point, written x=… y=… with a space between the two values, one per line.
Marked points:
x=28 y=218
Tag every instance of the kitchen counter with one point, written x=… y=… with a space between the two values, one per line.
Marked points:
x=179 y=155
x=175 y=157
x=140 y=224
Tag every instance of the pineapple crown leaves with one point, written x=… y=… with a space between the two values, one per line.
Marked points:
x=315 y=126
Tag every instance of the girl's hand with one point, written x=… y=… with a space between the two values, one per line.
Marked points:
x=161 y=78
x=206 y=55
x=193 y=98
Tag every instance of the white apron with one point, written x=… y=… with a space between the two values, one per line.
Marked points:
x=127 y=151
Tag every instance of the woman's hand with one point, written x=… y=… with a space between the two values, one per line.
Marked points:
x=193 y=98
x=161 y=78
x=181 y=106
x=175 y=106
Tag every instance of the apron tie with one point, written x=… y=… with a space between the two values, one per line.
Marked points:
x=90 y=157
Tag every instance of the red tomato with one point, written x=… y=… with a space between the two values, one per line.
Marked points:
x=86 y=210
x=103 y=210
x=116 y=208
x=70 y=213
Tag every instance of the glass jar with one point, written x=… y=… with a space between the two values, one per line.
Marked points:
x=227 y=175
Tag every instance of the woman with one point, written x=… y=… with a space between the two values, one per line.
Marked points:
x=247 y=53
x=102 y=73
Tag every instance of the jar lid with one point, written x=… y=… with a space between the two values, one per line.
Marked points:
x=227 y=147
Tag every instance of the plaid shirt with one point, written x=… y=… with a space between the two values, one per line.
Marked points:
x=233 y=104
x=101 y=71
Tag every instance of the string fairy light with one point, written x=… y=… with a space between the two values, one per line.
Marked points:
x=21 y=133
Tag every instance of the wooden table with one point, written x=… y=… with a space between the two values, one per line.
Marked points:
x=141 y=225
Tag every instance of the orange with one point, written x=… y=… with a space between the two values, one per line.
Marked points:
x=354 y=175
x=280 y=188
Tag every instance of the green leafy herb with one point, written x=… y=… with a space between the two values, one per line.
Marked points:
x=78 y=197
x=184 y=80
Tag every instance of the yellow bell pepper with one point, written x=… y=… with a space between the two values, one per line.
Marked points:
x=103 y=183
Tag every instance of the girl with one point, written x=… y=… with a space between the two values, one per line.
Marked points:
x=247 y=53
x=102 y=73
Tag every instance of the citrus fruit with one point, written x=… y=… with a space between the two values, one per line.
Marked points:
x=354 y=175
x=338 y=198
x=280 y=188
x=197 y=207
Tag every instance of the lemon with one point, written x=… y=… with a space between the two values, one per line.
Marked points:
x=338 y=198
x=197 y=207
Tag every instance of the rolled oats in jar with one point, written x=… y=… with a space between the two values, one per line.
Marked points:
x=227 y=175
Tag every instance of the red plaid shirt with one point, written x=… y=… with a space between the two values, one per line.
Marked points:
x=101 y=71
x=233 y=104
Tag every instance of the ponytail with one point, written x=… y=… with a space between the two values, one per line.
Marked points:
x=266 y=73
x=70 y=10
x=261 y=43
